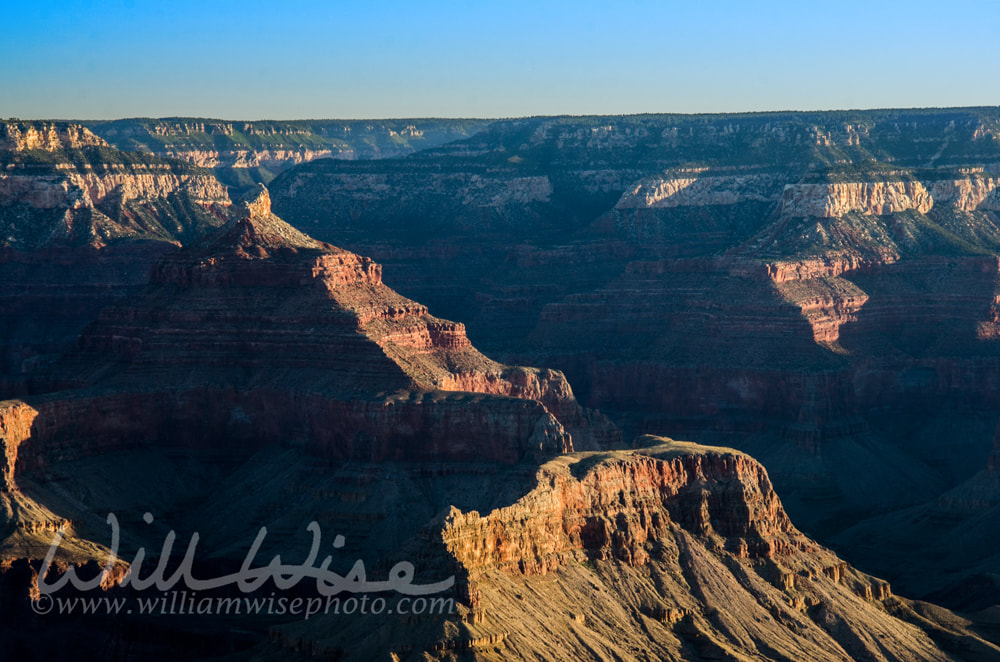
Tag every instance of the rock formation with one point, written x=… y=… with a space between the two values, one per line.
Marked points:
x=241 y=154
x=666 y=552
x=672 y=548
x=282 y=332
x=971 y=193
x=62 y=185
x=47 y=136
x=661 y=191
x=869 y=198
x=80 y=226
x=818 y=289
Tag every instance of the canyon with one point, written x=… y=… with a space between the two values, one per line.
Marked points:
x=80 y=226
x=817 y=289
x=810 y=293
x=282 y=332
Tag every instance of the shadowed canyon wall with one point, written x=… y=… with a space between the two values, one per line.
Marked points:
x=818 y=289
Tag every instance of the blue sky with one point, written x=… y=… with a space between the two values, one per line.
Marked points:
x=283 y=60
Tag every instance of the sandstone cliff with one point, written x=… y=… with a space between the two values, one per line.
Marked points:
x=968 y=193
x=272 y=159
x=125 y=183
x=48 y=136
x=869 y=198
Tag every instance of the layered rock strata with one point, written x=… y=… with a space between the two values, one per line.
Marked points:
x=242 y=154
x=816 y=288
x=80 y=225
x=666 y=552
x=260 y=332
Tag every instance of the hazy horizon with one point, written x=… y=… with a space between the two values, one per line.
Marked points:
x=392 y=60
x=777 y=111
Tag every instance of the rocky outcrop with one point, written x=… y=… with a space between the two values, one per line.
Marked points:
x=683 y=544
x=615 y=506
x=49 y=136
x=784 y=271
x=75 y=190
x=272 y=159
x=16 y=419
x=696 y=211
x=87 y=193
x=671 y=549
x=968 y=194
x=80 y=178
x=868 y=198
x=679 y=191
x=826 y=303
x=888 y=197
x=257 y=204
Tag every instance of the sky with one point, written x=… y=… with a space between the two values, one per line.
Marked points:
x=382 y=59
